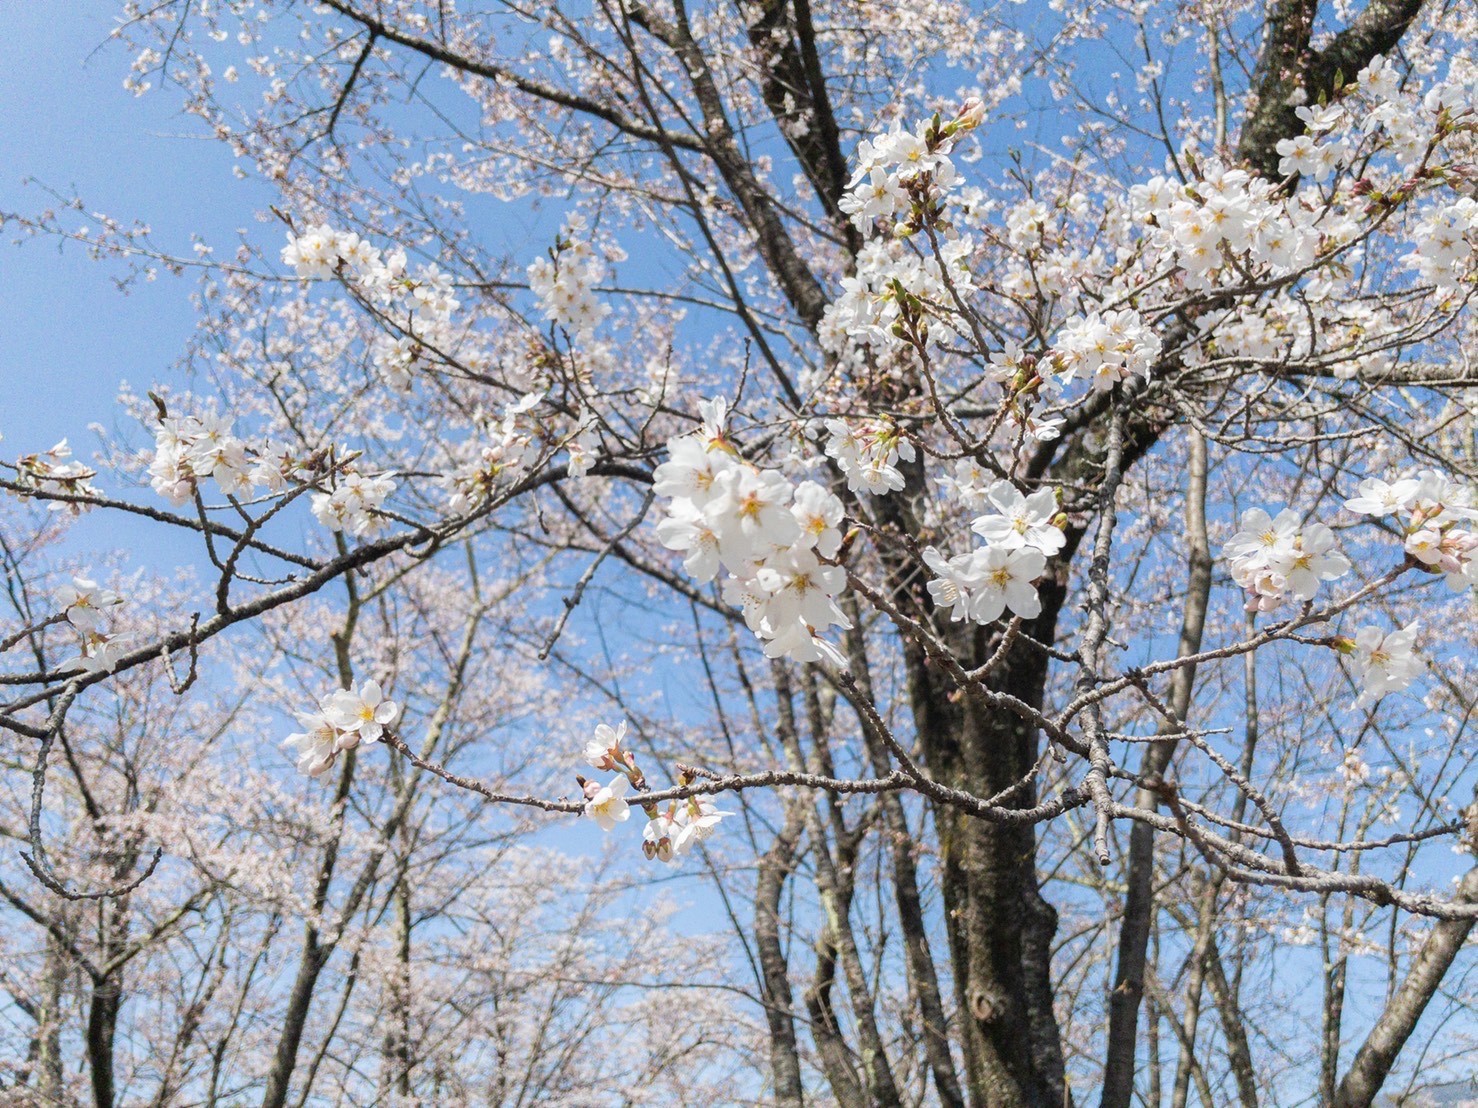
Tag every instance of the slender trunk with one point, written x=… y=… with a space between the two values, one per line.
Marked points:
x=1398 y=1020
x=774 y=868
x=1239 y=1051
x=1139 y=906
x=49 y=1026
x=294 y=1019
x=836 y=899
x=311 y=962
x=1186 y=1067
x=102 y=1025
x=397 y=1079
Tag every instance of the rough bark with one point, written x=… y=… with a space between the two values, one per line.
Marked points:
x=1291 y=73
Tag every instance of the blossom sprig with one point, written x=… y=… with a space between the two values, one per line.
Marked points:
x=565 y=282
x=56 y=471
x=411 y=300
x=190 y=449
x=1438 y=518
x=88 y=608
x=776 y=540
x=353 y=503
x=1273 y=558
x=1106 y=348
x=904 y=177
x=670 y=832
x=868 y=451
x=1020 y=535
x=606 y=804
x=508 y=446
x=344 y=719
x=1383 y=661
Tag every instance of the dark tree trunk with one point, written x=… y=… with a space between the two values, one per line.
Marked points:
x=102 y=1024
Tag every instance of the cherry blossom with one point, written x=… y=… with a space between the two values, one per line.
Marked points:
x=1023 y=520
x=1384 y=662
x=604 y=750
x=1002 y=577
x=1274 y=558
x=316 y=746
x=361 y=715
x=606 y=804
x=86 y=603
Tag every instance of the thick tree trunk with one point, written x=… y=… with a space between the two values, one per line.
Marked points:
x=999 y=927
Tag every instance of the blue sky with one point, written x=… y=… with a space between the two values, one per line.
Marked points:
x=67 y=335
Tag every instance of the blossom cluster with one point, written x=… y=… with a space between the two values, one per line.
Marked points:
x=1446 y=244
x=900 y=292
x=565 y=281
x=1437 y=517
x=509 y=447
x=410 y=300
x=1383 y=661
x=902 y=172
x=86 y=606
x=669 y=833
x=344 y=719
x=1274 y=558
x=774 y=538
x=189 y=449
x=896 y=292
x=353 y=504
x=1020 y=535
x=867 y=452
x=1226 y=215
x=1106 y=347
x=56 y=471
x=1306 y=153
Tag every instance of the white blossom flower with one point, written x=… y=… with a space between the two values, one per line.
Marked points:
x=819 y=514
x=603 y=751
x=1385 y=662
x=950 y=585
x=84 y=602
x=750 y=512
x=686 y=528
x=1002 y=578
x=607 y=805
x=316 y=746
x=100 y=653
x=1274 y=557
x=1023 y=520
x=691 y=469
x=361 y=715
x=695 y=821
x=1377 y=498
x=1310 y=560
